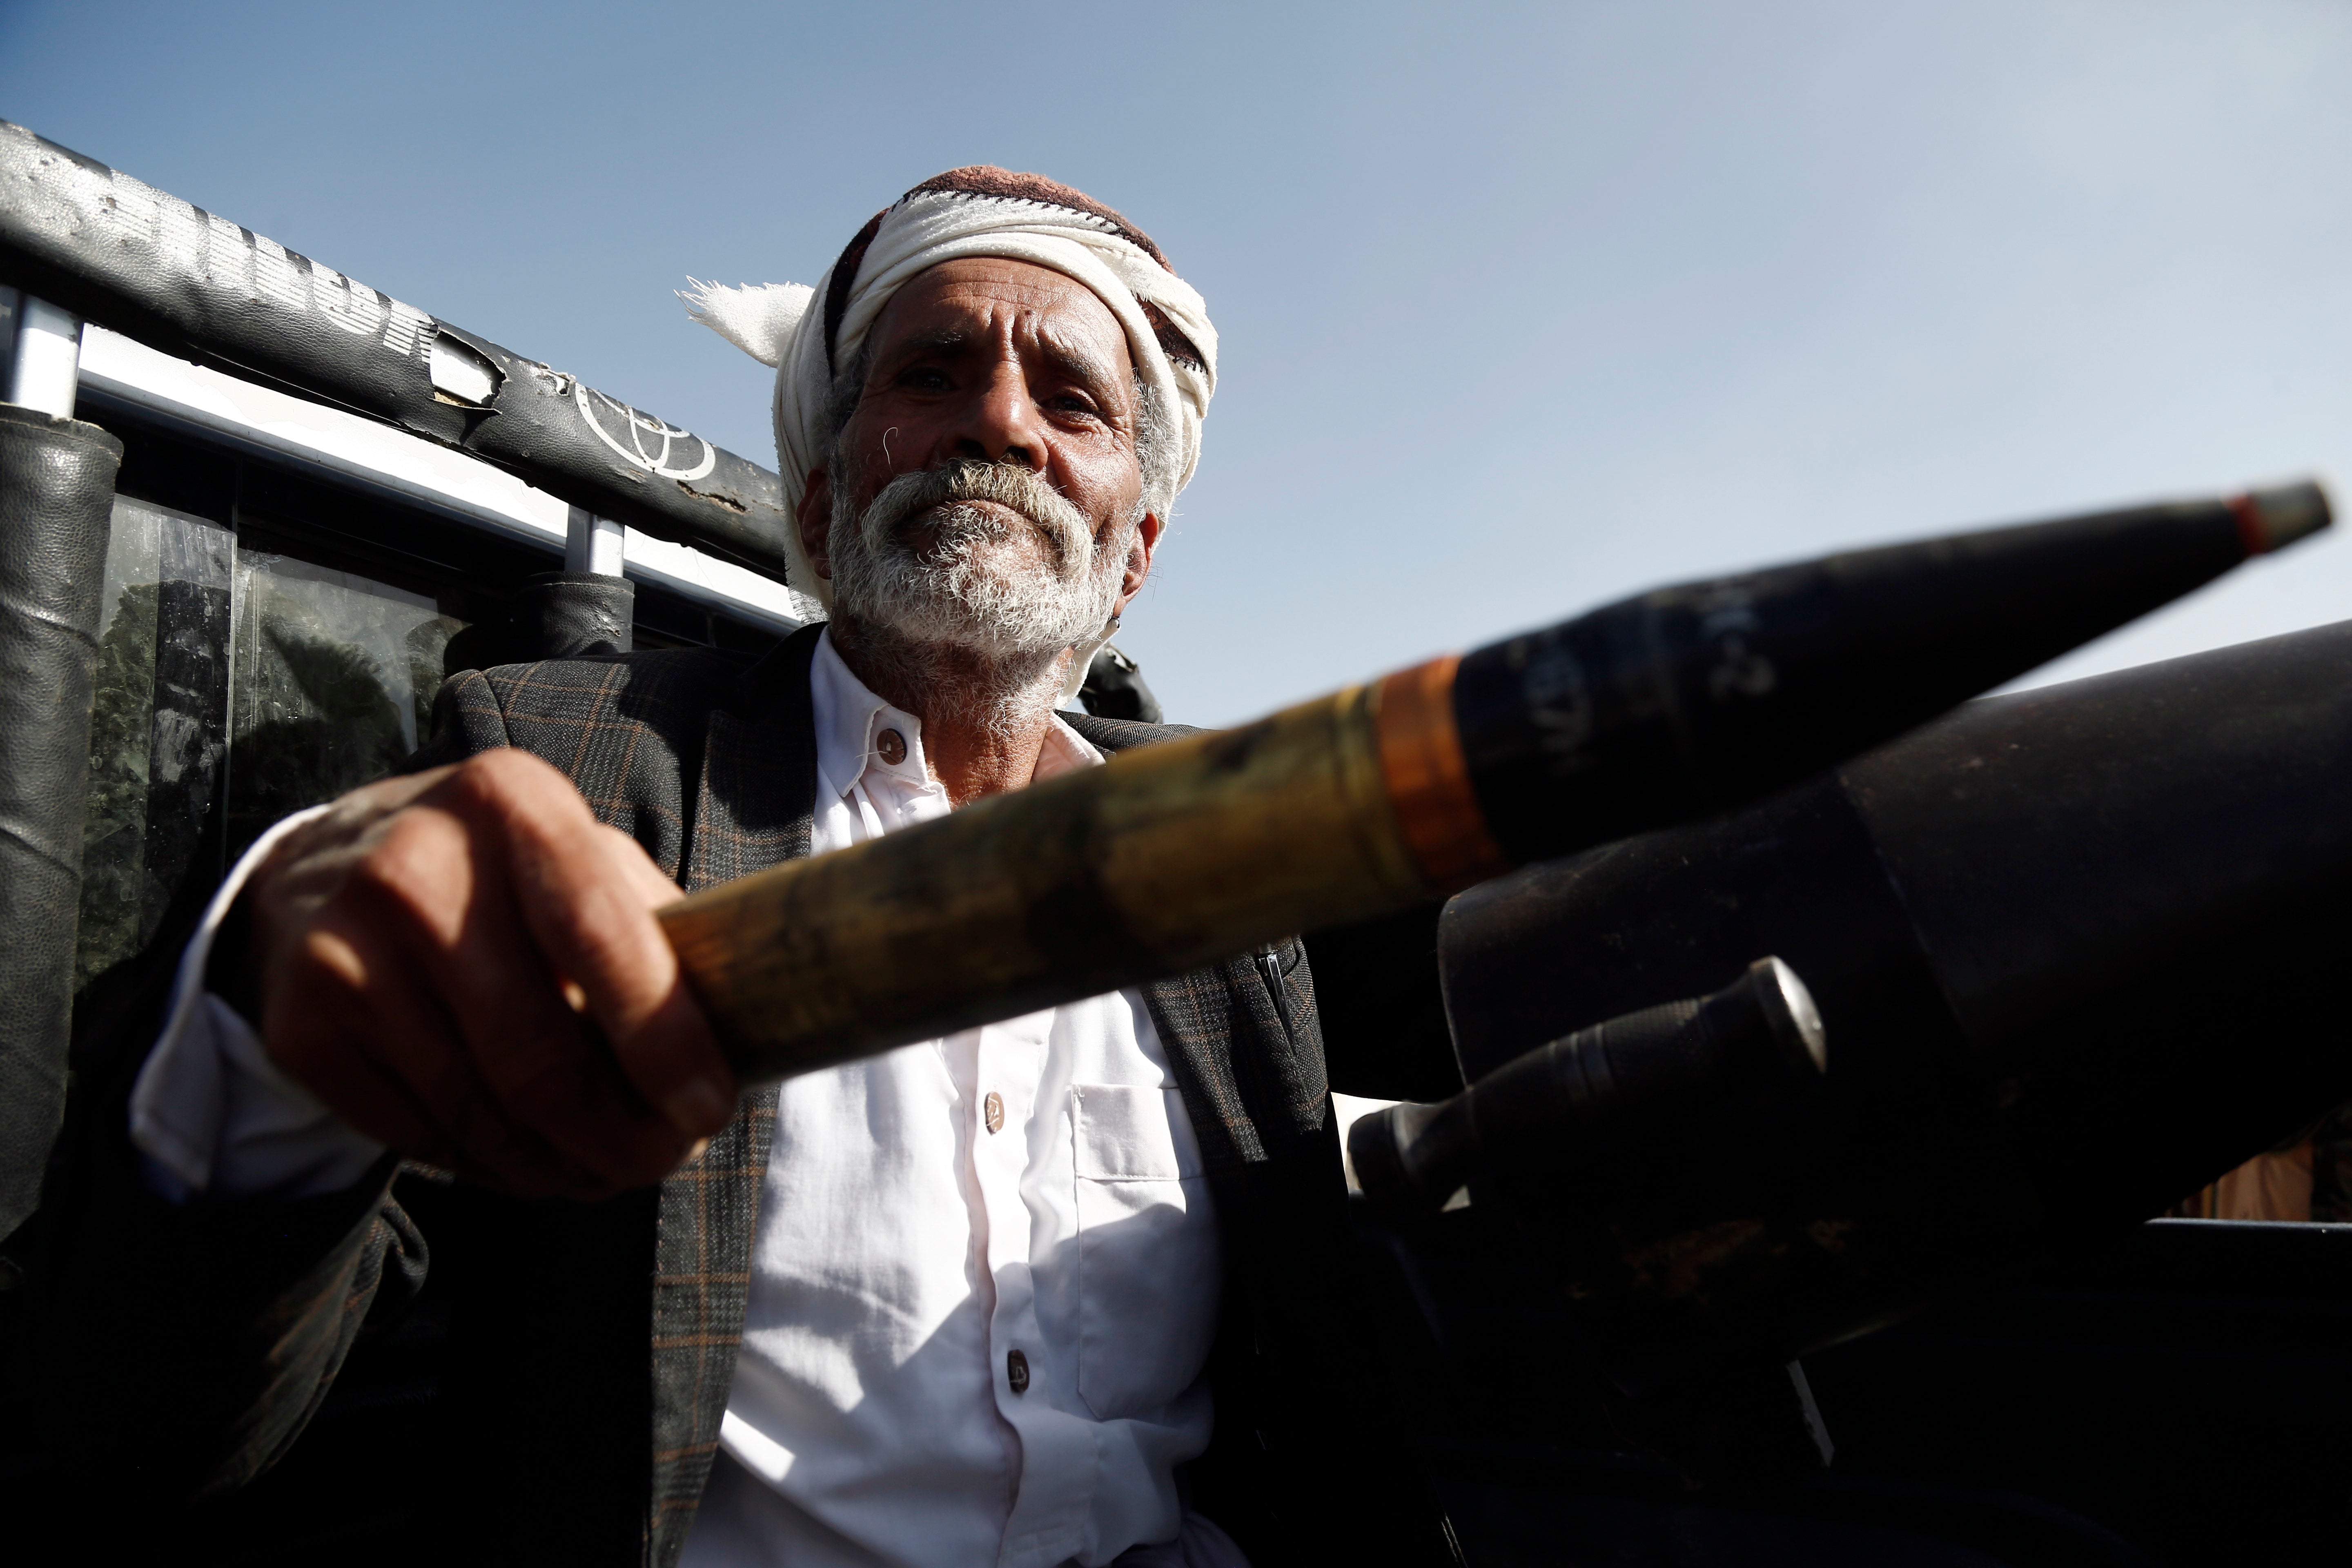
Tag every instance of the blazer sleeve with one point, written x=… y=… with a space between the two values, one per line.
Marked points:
x=161 y=1352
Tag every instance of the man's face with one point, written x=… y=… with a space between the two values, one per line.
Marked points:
x=988 y=484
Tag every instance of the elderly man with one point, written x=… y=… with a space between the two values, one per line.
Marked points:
x=1067 y=1289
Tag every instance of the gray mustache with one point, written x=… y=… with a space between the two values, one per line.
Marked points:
x=1004 y=484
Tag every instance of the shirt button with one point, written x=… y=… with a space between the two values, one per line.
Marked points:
x=1017 y=1371
x=992 y=1116
x=892 y=745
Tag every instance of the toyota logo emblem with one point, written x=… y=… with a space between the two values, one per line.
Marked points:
x=644 y=442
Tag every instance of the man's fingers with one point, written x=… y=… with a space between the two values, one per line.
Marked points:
x=538 y=1052
x=465 y=965
x=588 y=895
x=679 y=1021
x=349 y=819
x=360 y=1031
x=446 y=894
x=374 y=1101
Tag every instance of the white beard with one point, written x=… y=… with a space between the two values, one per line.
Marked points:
x=980 y=634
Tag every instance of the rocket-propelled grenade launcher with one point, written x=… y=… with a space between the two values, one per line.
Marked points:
x=2079 y=950
x=1650 y=711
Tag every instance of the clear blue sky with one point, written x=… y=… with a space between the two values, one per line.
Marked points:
x=1522 y=307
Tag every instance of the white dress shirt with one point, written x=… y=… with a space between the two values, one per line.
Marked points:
x=986 y=1272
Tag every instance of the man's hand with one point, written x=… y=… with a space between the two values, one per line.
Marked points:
x=465 y=966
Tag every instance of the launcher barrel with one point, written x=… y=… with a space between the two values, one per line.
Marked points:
x=2078 y=951
x=1601 y=1093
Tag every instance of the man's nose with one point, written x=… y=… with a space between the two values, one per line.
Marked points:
x=1001 y=423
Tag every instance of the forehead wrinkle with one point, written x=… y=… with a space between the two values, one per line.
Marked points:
x=1074 y=356
x=1069 y=343
x=933 y=340
x=1004 y=293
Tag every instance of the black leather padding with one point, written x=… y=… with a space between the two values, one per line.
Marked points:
x=110 y=249
x=1114 y=689
x=57 y=497
x=570 y=614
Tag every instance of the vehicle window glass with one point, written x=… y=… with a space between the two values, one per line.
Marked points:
x=333 y=678
x=247 y=680
x=158 y=724
x=269 y=639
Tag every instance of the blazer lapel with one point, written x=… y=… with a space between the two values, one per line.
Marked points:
x=753 y=807
x=757 y=797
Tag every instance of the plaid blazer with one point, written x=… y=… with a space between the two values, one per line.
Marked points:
x=567 y=1366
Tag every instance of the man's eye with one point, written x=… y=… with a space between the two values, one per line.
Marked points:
x=924 y=378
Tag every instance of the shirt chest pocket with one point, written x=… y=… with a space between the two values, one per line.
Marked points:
x=1147 y=1263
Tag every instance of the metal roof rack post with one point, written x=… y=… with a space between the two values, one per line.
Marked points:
x=46 y=362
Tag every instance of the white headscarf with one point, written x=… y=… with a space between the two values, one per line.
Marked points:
x=977 y=211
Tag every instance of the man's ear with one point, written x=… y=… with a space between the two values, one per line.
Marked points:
x=1138 y=560
x=814 y=519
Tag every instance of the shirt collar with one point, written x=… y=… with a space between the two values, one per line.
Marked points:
x=849 y=716
x=1065 y=750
